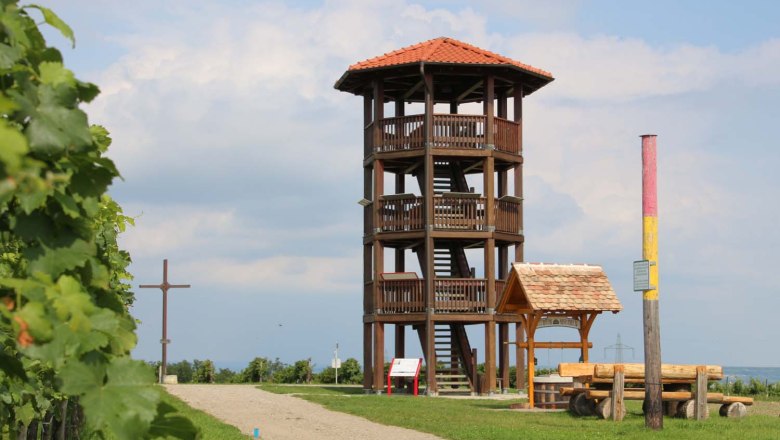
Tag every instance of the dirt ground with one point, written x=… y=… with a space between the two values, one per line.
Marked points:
x=282 y=417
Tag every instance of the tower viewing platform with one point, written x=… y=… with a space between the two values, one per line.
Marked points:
x=457 y=194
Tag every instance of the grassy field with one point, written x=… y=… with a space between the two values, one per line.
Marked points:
x=210 y=427
x=472 y=419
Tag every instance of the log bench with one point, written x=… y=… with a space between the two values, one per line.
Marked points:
x=609 y=391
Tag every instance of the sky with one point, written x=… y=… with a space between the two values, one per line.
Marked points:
x=242 y=164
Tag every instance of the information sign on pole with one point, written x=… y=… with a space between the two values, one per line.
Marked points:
x=642 y=276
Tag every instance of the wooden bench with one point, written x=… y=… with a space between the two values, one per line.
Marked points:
x=609 y=390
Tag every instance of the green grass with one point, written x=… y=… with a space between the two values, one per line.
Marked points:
x=210 y=427
x=472 y=419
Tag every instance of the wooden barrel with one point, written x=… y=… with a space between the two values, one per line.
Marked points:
x=547 y=391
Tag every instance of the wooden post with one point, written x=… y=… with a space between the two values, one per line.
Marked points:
x=379 y=357
x=519 y=357
x=400 y=350
x=618 y=409
x=430 y=274
x=700 y=410
x=503 y=358
x=489 y=107
x=368 y=357
x=490 y=357
x=652 y=331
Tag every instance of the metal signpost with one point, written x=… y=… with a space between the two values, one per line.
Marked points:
x=164 y=287
x=336 y=362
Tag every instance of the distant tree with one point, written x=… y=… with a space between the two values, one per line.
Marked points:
x=257 y=371
x=350 y=372
x=299 y=372
x=226 y=375
x=328 y=375
x=183 y=370
x=204 y=371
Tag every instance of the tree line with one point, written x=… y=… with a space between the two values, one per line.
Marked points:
x=262 y=369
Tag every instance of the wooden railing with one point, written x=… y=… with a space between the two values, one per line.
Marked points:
x=451 y=295
x=460 y=295
x=508 y=216
x=449 y=131
x=463 y=213
x=506 y=135
x=402 y=133
x=459 y=131
x=401 y=296
x=452 y=212
x=401 y=214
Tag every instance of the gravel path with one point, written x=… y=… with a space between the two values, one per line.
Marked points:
x=282 y=417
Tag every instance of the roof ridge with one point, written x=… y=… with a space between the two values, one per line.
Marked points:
x=436 y=43
x=427 y=50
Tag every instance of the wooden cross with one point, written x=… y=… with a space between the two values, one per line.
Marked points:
x=164 y=287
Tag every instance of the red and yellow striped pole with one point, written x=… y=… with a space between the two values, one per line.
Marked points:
x=653 y=403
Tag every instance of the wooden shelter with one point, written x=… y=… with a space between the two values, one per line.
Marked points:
x=545 y=295
x=436 y=159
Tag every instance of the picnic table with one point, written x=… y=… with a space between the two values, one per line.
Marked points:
x=601 y=389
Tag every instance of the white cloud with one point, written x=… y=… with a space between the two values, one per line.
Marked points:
x=279 y=275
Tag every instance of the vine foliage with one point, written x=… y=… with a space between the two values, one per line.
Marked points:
x=65 y=329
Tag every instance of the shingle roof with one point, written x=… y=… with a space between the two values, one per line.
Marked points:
x=443 y=50
x=560 y=287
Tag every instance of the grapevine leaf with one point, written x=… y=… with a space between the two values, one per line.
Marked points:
x=69 y=206
x=15 y=27
x=32 y=194
x=36 y=226
x=34 y=317
x=72 y=304
x=92 y=182
x=126 y=403
x=169 y=424
x=56 y=22
x=26 y=413
x=56 y=260
x=55 y=74
x=55 y=128
x=14 y=147
x=79 y=378
x=9 y=56
x=87 y=91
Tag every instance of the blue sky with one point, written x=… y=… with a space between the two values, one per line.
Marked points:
x=242 y=164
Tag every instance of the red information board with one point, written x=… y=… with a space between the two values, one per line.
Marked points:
x=404 y=367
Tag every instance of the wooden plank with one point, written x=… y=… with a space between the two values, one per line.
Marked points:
x=554 y=345
x=738 y=399
x=617 y=407
x=631 y=394
x=700 y=410
x=576 y=369
x=668 y=371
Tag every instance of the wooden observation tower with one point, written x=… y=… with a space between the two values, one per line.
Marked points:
x=452 y=157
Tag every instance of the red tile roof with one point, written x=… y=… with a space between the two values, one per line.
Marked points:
x=443 y=50
x=560 y=287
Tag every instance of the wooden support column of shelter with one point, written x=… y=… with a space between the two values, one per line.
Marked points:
x=586 y=322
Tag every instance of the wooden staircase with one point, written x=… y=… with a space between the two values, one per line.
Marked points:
x=451 y=346
x=451 y=373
